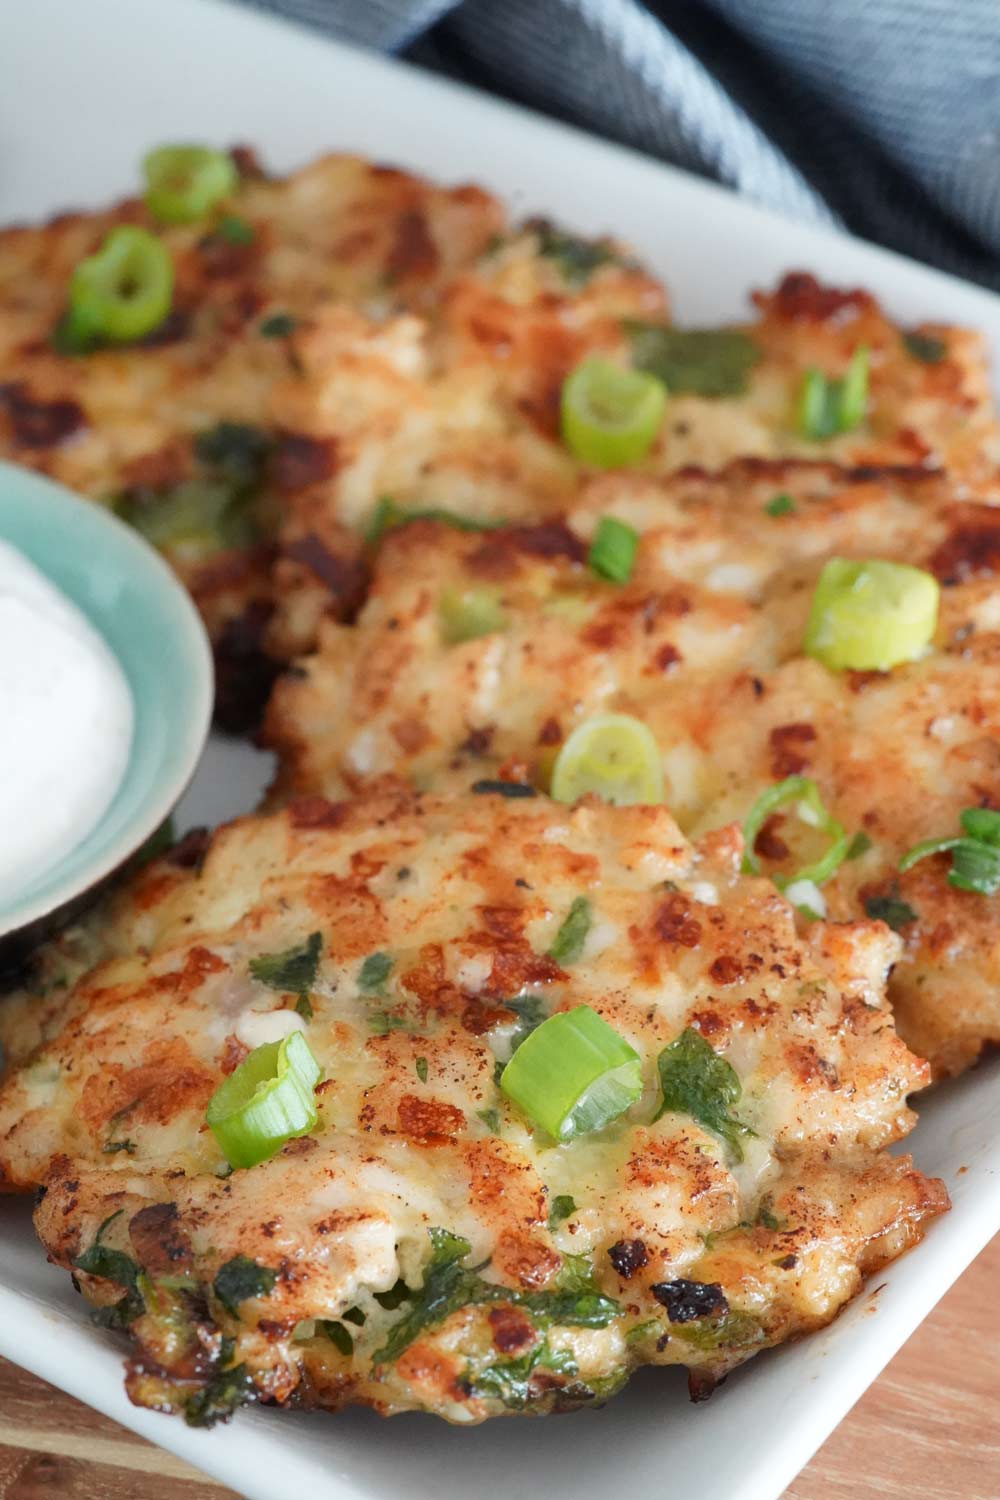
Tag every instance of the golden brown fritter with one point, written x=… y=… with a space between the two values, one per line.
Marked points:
x=140 y=425
x=367 y=334
x=424 y=1247
x=703 y=644
x=461 y=412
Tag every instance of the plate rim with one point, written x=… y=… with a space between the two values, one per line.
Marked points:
x=961 y=1236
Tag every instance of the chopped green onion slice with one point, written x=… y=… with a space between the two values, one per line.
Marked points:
x=803 y=791
x=817 y=406
x=611 y=416
x=467 y=614
x=871 y=615
x=612 y=552
x=614 y=756
x=184 y=183
x=267 y=1101
x=122 y=292
x=981 y=824
x=573 y=1074
x=828 y=405
x=200 y=515
x=854 y=392
x=975 y=854
x=781 y=505
x=388 y=514
x=925 y=849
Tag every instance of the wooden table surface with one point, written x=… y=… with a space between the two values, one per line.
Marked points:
x=929 y=1429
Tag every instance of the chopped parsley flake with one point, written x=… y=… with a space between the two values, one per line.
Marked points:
x=562 y=1207
x=925 y=347
x=292 y=972
x=700 y=361
x=374 y=973
x=234 y=231
x=576 y=1301
x=240 y=1279
x=891 y=909
x=696 y=1081
x=504 y=789
x=572 y=935
x=277 y=326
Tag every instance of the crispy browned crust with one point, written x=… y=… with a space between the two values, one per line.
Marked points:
x=464 y=896
x=702 y=643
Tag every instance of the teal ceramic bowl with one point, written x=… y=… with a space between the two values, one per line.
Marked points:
x=133 y=599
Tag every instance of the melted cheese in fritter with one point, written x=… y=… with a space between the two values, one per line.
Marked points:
x=703 y=644
x=339 y=230
x=429 y=347
x=465 y=897
x=464 y=414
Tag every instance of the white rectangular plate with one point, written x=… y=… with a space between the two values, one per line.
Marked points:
x=87 y=87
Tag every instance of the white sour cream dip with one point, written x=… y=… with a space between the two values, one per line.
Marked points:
x=66 y=719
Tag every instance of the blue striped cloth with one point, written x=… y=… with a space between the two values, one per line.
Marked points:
x=880 y=115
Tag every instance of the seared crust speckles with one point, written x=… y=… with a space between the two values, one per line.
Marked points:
x=703 y=643
x=464 y=897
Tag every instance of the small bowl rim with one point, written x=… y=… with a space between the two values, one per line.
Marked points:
x=165 y=792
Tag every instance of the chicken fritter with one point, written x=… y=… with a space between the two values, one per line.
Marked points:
x=704 y=643
x=462 y=413
x=174 y=430
x=352 y=333
x=424 y=1246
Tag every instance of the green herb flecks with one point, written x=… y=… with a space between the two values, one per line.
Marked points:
x=734 y=1330
x=531 y=1011
x=157 y=843
x=113 y=1265
x=235 y=450
x=781 y=505
x=975 y=853
x=696 y=1081
x=421 y=1069
x=341 y=1337
x=640 y=1331
x=510 y=789
x=240 y=1279
x=277 y=326
x=577 y=258
x=509 y=1380
x=491 y=1119
x=387 y=515
x=218 y=507
x=234 y=230
x=293 y=972
x=891 y=909
x=111 y=1148
x=562 y=1207
x=225 y=1392
x=576 y=1300
x=374 y=973
x=572 y=935
x=695 y=361
x=380 y=1022
x=448 y=1286
x=925 y=347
